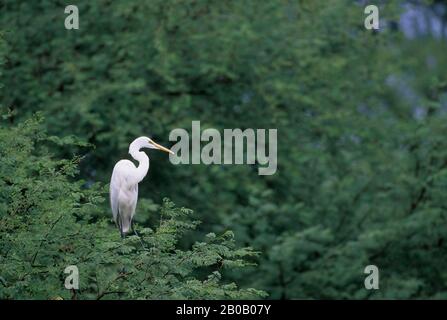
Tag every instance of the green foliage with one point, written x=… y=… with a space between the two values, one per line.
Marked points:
x=361 y=131
x=47 y=224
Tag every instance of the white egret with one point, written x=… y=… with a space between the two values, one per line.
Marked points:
x=124 y=183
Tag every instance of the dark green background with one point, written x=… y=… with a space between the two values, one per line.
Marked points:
x=361 y=119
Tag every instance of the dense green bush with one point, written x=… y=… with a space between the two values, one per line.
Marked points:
x=47 y=224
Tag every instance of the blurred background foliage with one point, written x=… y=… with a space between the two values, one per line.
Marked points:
x=362 y=157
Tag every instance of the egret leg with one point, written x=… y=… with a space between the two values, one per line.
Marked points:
x=135 y=231
x=118 y=223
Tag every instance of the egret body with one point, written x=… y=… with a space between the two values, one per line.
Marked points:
x=124 y=182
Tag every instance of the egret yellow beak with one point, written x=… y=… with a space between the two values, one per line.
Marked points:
x=159 y=147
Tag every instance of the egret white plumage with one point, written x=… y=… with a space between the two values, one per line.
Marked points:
x=124 y=183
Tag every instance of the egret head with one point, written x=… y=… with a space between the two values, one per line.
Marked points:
x=145 y=142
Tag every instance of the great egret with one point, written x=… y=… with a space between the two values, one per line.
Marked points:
x=124 y=183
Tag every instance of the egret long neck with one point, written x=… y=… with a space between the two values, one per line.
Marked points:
x=143 y=166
